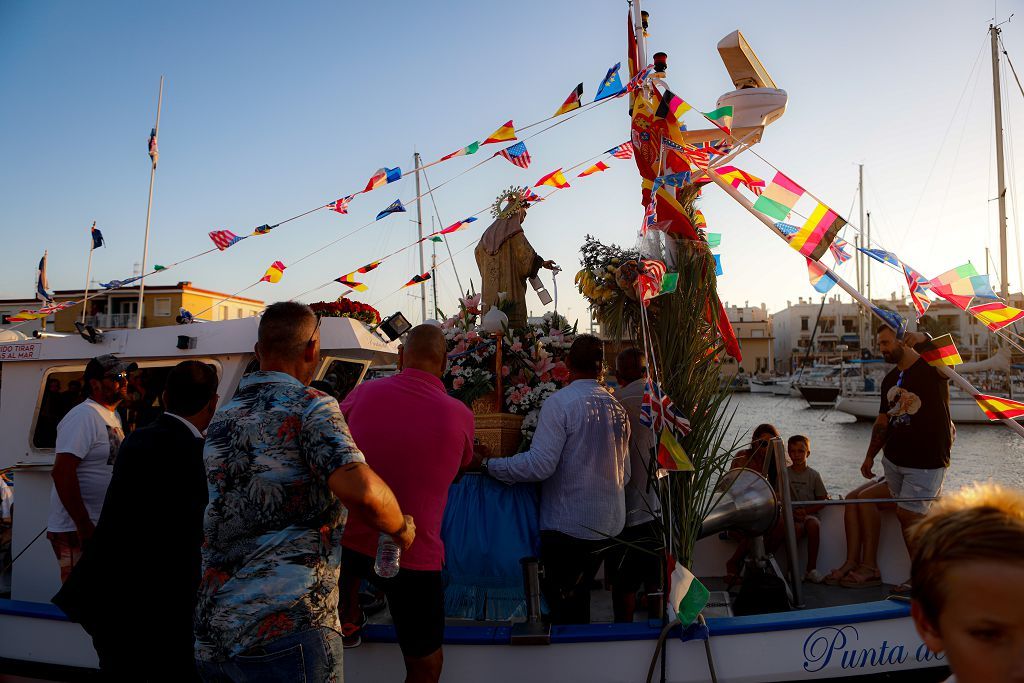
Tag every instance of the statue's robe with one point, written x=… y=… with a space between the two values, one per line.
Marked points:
x=506 y=261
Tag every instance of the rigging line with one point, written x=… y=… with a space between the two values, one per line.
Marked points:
x=1008 y=61
x=437 y=213
x=439 y=264
x=227 y=298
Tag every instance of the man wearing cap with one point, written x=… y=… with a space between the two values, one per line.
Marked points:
x=88 y=439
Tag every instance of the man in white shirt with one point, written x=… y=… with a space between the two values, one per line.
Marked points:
x=580 y=453
x=88 y=439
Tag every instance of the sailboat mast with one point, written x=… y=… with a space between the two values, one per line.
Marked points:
x=419 y=226
x=149 y=208
x=1000 y=174
x=863 y=315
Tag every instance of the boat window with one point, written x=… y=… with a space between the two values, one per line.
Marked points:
x=342 y=376
x=62 y=389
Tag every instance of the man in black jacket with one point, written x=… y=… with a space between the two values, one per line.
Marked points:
x=134 y=589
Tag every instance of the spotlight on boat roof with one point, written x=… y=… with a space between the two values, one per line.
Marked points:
x=394 y=326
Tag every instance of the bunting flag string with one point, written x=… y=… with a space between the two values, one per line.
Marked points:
x=340 y=205
x=738 y=178
x=417 y=279
x=224 y=238
x=554 y=179
x=382 y=177
x=779 y=197
x=25 y=315
x=596 y=168
x=394 y=207
x=839 y=253
x=471 y=148
x=611 y=85
x=940 y=351
x=881 y=255
x=505 y=133
x=817 y=234
x=917 y=292
x=623 y=151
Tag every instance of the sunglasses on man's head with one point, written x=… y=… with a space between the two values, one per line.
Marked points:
x=315 y=328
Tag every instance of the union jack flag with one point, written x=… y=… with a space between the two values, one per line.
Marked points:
x=650 y=215
x=705 y=152
x=918 y=286
x=623 y=151
x=340 y=205
x=638 y=80
x=840 y=254
x=657 y=410
x=224 y=238
x=517 y=154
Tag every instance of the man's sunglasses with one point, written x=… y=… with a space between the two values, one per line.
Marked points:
x=315 y=328
x=118 y=377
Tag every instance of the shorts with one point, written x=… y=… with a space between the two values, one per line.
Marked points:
x=636 y=559
x=415 y=600
x=68 y=549
x=911 y=482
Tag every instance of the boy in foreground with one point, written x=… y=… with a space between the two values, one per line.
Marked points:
x=805 y=484
x=967 y=578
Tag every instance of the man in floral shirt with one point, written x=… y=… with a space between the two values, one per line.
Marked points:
x=280 y=464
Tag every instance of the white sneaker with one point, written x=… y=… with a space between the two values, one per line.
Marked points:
x=814 y=576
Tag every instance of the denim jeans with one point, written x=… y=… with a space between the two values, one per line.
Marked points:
x=313 y=656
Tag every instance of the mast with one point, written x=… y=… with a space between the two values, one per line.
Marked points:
x=1000 y=174
x=864 y=325
x=419 y=226
x=88 y=274
x=433 y=268
x=638 y=31
x=867 y=266
x=149 y=206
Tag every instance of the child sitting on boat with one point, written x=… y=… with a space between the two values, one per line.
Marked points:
x=805 y=483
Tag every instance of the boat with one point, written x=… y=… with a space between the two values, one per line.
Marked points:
x=775 y=386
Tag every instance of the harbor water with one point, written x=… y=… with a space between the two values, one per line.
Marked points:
x=982 y=452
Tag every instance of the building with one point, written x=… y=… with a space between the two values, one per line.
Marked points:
x=831 y=325
x=118 y=308
x=753 y=327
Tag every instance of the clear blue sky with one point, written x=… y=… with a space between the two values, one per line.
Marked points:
x=273 y=108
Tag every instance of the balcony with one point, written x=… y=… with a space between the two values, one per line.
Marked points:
x=113 y=321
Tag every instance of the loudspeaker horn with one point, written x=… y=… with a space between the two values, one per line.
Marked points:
x=747 y=504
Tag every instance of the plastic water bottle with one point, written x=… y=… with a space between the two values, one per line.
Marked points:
x=389 y=554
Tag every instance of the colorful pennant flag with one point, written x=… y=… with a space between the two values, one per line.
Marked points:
x=892 y=319
x=349 y=282
x=721 y=117
x=115 y=284
x=274 y=273
x=687 y=596
x=639 y=79
x=718 y=265
x=959 y=273
x=839 y=252
x=42 y=312
x=672 y=107
x=671 y=455
x=648 y=283
x=394 y=207
x=471 y=148
x=571 y=102
x=940 y=351
x=704 y=153
x=455 y=227
x=382 y=177
x=554 y=179
x=961 y=293
x=658 y=411
x=996 y=315
x=882 y=256
x=263 y=229
x=340 y=205
x=42 y=284
x=157 y=268
x=737 y=177
x=224 y=238
x=672 y=180
x=816 y=235
x=516 y=154
x=998 y=408
x=417 y=279
x=97 y=236
x=505 y=133
x=821 y=280
x=531 y=196
x=611 y=85
x=596 y=168
x=917 y=291
x=714 y=239
x=787 y=229
x=779 y=198
x=154 y=151
x=623 y=151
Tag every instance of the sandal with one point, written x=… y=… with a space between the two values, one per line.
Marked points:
x=834 y=577
x=352 y=634
x=862 y=577
x=902 y=589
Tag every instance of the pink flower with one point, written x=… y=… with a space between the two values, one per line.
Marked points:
x=459 y=348
x=515 y=397
x=456 y=370
x=472 y=336
x=505 y=371
x=458 y=382
x=560 y=372
x=517 y=347
x=471 y=303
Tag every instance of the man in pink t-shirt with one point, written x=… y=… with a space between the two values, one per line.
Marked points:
x=417 y=438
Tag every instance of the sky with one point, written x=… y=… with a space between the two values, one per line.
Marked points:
x=271 y=109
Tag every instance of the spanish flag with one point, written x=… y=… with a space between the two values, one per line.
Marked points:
x=554 y=179
x=571 y=102
x=941 y=351
x=596 y=168
x=505 y=133
x=671 y=455
x=997 y=408
x=996 y=315
x=274 y=273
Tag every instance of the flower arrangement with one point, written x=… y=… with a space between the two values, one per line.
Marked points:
x=533 y=361
x=346 y=308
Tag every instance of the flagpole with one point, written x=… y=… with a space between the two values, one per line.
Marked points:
x=419 y=227
x=88 y=272
x=149 y=211
x=852 y=291
x=638 y=33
